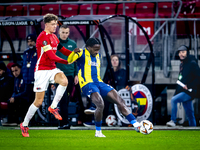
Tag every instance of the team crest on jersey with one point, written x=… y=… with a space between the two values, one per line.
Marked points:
x=44 y=43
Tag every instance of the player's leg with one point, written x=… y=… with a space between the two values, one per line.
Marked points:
x=114 y=97
x=91 y=90
x=61 y=79
x=98 y=114
x=39 y=96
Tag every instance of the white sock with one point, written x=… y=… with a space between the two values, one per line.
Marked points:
x=59 y=93
x=31 y=111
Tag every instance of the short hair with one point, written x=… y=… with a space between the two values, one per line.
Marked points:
x=65 y=26
x=3 y=66
x=92 y=41
x=49 y=17
x=16 y=64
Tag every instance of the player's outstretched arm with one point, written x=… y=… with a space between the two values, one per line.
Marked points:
x=77 y=53
x=55 y=58
x=63 y=50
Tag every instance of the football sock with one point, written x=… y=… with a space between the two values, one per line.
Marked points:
x=59 y=93
x=98 y=125
x=131 y=118
x=31 y=111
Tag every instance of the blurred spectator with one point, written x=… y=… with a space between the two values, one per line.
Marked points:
x=18 y=103
x=119 y=79
x=70 y=72
x=189 y=75
x=6 y=84
x=9 y=65
x=28 y=67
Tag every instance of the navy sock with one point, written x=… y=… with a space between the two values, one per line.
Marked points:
x=131 y=118
x=98 y=125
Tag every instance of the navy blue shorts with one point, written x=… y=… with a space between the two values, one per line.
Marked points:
x=99 y=87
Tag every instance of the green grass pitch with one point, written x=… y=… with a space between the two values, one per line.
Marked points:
x=115 y=139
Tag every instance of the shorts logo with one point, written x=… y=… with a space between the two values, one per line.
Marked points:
x=44 y=43
x=38 y=88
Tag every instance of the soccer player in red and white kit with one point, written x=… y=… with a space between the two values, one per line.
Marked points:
x=46 y=72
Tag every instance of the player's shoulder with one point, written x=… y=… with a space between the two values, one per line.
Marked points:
x=42 y=36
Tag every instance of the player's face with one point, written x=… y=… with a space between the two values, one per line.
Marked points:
x=94 y=50
x=50 y=27
x=31 y=43
x=16 y=71
x=64 y=33
x=1 y=72
x=115 y=61
x=182 y=54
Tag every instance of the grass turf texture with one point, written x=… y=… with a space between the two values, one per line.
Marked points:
x=115 y=139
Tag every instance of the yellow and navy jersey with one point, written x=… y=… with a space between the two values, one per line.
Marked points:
x=88 y=66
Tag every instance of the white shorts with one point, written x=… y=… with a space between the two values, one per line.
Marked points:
x=43 y=78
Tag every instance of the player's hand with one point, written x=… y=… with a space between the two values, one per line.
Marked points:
x=76 y=50
x=185 y=87
x=12 y=100
x=76 y=80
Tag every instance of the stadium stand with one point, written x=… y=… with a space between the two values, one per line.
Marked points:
x=1 y=10
x=50 y=8
x=165 y=9
x=145 y=10
x=129 y=9
x=68 y=10
x=34 y=10
x=107 y=9
x=14 y=10
x=86 y=8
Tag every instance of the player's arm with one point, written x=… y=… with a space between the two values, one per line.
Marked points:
x=63 y=50
x=48 y=50
x=77 y=53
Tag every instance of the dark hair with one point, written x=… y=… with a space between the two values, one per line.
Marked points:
x=65 y=26
x=16 y=64
x=119 y=65
x=92 y=41
x=3 y=66
x=49 y=17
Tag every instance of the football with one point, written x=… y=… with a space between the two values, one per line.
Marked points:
x=146 y=127
x=111 y=120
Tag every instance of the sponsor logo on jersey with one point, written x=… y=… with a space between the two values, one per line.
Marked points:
x=91 y=63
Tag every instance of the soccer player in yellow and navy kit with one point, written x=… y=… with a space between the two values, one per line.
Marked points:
x=88 y=61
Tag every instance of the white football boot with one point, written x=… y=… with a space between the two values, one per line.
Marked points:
x=137 y=126
x=99 y=134
x=171 y=123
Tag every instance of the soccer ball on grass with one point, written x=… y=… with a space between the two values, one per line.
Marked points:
x=146 y=127
x=111 y=120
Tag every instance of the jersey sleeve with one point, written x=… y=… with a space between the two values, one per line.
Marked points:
x=55 y=58
x=74 y=56
x=47 y=48
x=64 y=50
